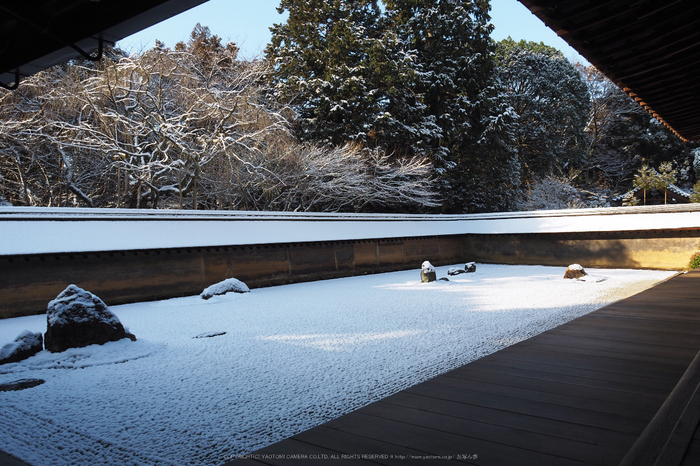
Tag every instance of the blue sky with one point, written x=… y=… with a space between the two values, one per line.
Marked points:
x=247 y=24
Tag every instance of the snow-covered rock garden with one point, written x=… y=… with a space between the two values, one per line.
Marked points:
x=210 y=379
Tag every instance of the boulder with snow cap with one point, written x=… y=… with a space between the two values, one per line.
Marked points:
x=455 y=271
x=427 y=272
x=575 y=271
x=78 y=318
x=230 y=284
x=26 y=345
x=470 y=267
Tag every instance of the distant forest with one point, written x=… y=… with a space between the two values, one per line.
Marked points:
x=407 y=106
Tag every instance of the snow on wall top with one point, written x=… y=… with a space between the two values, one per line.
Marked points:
x=34 y=230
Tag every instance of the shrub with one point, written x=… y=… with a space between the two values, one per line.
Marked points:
x=695 y=196
x=694 y=261
x=551 y=193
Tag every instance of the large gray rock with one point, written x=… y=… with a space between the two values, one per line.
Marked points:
x=26 y=345
x=78 y=318
x=427 y=272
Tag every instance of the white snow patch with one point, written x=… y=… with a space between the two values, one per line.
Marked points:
x=338 y=341
x=292 y=357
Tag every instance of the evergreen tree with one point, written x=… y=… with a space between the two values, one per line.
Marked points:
x=416 y=80
x=648 y=179
x=321 y=63
x=489 y=172
x=552 y=103
x=624 y=137
x=695 y=195
x=345 y=71
x=607 y=166
x=454 y=71
x=212 y=59
x=402 y=124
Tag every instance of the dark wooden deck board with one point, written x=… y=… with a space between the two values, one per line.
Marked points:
x=552 y=428
x=438 y=441
x=545 y=394
x=462 y=394
x=344 y=441
x=644 y=382
x=558 y=356
x=581 y=393
x=511 y=436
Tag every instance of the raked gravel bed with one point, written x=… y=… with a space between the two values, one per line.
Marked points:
x=209 y=380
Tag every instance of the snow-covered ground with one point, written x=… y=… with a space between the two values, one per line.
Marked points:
x=208 y=380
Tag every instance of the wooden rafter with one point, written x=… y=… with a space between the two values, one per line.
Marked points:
x=650 y=48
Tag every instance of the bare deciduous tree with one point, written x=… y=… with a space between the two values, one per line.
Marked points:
x=189 y=128
x=354 y=179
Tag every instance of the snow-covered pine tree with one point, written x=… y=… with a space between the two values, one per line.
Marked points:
x=320 y=58
x=349 y=77
x=552 y=103
x=402 y=124
x=416 y=80
x=454 y=59
x=490 y=172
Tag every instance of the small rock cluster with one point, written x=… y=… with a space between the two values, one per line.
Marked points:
x=469 y=267
x=427 y=273
x=76 y=318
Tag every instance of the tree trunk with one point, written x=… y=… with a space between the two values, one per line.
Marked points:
x=126 y=189
x=179 y=187
x=23 y=181
x=119 y=187
x=194 y=193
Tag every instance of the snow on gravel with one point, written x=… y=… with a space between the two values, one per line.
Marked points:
x=208 y=380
